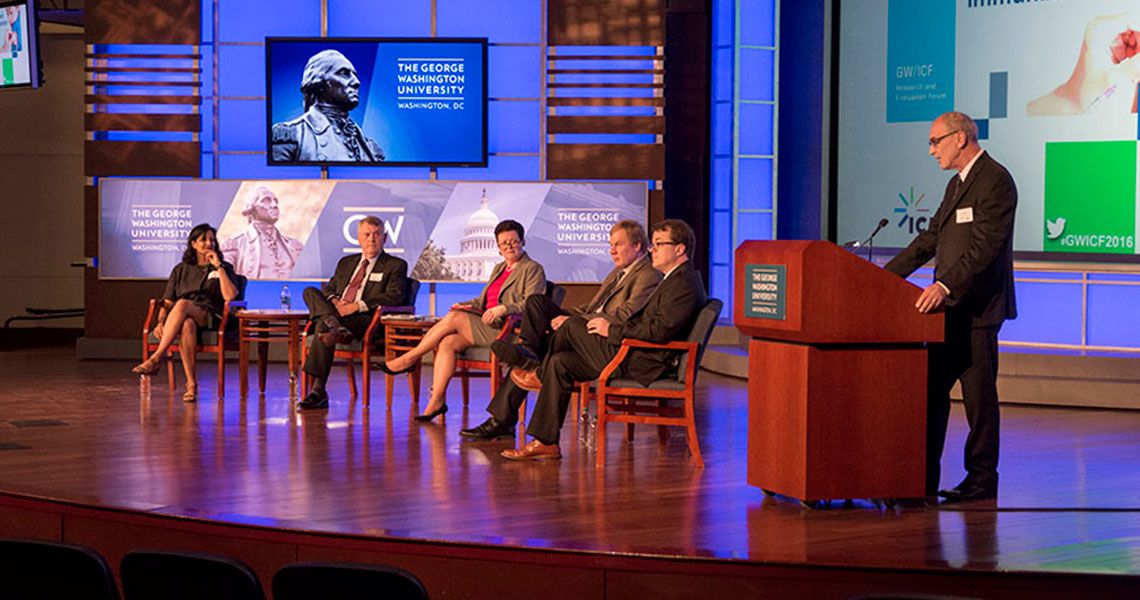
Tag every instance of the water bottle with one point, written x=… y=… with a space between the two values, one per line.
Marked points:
x=286 y=299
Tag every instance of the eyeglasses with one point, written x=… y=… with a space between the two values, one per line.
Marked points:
x=655 y=245
x=934 y=141
x=510 y=243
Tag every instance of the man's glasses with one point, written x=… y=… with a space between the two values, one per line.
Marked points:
x=660 y=244
x=934 y=141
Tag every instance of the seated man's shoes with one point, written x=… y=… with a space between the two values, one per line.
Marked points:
x=535 y=450
x=315 y=400
x=527 y=380
x=970 y=490
x=515 y=355
x=489 y=430
x=335 y=336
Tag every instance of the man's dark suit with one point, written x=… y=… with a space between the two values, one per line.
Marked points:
x=971 y=236
x=385 y=284
x=618 y=298
x=578 y=355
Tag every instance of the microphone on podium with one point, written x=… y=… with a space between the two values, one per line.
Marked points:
x=854 y=244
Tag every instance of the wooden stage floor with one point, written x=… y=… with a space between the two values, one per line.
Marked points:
x=92 y=433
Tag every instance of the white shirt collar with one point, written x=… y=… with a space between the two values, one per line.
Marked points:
x=670 y=272
x=966 y=170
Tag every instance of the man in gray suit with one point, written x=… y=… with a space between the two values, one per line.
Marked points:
x=623 y=292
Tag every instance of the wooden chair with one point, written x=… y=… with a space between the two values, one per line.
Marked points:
x=360 y=349
x=665 y=402
x=479 y=361
x=215 y=342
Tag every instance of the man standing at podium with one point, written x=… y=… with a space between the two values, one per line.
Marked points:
x=971 y=238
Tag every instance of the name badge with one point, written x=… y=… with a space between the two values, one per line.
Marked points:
x=213 y=275
x=964 y=215
x=375 y=277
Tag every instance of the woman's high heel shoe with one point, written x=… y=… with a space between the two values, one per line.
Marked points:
x=147 y=367
x=433 y=414
x=191 y=394
x=383 y=366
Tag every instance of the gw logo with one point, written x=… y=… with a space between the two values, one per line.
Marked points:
x=912 y=217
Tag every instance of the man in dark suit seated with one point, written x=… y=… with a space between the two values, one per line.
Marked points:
x=971 y=238
x=587 y=346
x=344 y=307
x=624 y=292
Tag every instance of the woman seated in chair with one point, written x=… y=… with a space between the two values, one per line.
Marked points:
x=476 y=322
x=196 y=292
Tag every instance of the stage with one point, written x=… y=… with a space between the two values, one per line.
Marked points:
x=93 y=454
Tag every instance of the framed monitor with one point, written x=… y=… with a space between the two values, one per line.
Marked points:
x=376 y=101
x=19 y=45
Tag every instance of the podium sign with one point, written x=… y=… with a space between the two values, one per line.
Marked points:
x=765 y=291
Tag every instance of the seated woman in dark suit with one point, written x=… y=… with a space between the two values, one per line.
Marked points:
x=476 y=322
x=195 y=293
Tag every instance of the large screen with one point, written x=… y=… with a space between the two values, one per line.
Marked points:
x=392 y=101
x=1053 y=86
x=299 y=229
x=19 y=59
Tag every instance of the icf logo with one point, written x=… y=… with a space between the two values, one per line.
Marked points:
x=912 y=216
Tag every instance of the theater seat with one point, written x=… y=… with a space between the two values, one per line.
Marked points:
x=345 y=581
x=36 y=570
x=176 y=575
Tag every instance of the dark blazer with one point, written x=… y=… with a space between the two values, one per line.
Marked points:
x=629 y=296
x=667 y=316
x=527 y=278
x=389 y=291
x=974 y=258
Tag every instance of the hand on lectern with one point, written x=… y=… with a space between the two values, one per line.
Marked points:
x=931 y=298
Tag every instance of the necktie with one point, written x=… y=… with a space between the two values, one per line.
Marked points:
x=354 y=285
x=606 y=292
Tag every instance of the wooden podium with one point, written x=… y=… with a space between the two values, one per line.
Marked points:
x=836 y=373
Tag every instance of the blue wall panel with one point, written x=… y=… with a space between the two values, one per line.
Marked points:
x=252 y=166
x=241 y=125
x=1113 y=316
x=721 y=184
x=499 y=168
x=757 y=74
x=722 y=129
x=753 y=226
x=721 y=253
x=1047 y=312
x=503 y=21
x=755 y=129
x=241 y=71
x=370 y=18
x=755 y=184
x=379 y=173
x=514 y=126
x=514 y=72
x=254 y=20
x=758 y=22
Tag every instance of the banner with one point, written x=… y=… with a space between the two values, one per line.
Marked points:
x=299 y=229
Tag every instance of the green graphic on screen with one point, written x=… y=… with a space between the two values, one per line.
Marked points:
x=1090 y=197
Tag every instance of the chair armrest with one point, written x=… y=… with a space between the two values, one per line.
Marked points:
x=380 y=312
x=151 y=314
x=228 y=310
x=631 y=344
x=510 y=324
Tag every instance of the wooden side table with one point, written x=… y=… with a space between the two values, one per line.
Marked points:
x=400 y=335
x=264 y=326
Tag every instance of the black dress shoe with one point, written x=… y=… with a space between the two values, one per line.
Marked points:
x=489 y=430
x=515 y=355
x=314 y=400
x=383 y=366
x=433 y=414
x=968 y=490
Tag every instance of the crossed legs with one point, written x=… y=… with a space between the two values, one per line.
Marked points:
x=449 y=337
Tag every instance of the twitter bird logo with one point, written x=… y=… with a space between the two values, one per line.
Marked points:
x=1055 y=228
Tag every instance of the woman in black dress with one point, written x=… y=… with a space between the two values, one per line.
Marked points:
x=196 y=292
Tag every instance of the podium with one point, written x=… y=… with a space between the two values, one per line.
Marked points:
x=836 y=373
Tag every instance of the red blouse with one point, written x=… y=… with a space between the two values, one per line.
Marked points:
x=494 y=289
